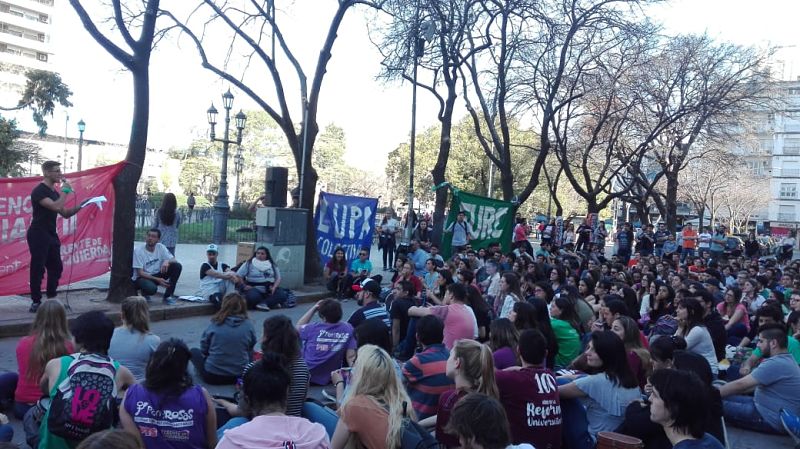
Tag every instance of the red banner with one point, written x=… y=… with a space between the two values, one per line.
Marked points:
x=85 y=237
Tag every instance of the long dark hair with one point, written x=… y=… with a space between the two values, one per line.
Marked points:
x=694 y=313
x=167 y=211
x=611 y=350
x=526 y=316
x=281 y=337
x=167 y=371
x=266 y=250
x=543 y=320
x=341 y=267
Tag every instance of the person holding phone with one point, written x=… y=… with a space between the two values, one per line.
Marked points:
x=43 y=242
x=361 y=267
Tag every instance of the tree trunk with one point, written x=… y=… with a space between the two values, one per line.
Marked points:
x=643 y=212
x=313 y=268
x=506 y=181
x=672 y=202
x=592 y=207
x=439 y=170
x=701 y=211
x=120 y=285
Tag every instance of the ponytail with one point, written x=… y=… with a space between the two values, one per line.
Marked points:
x=487 y=384
x=477 y=365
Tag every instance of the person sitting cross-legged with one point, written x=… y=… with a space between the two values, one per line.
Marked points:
x=265 y=388
x=326 y=344
x=425 y=374
x=154 y=266
x=775 y=382
x=530 y=395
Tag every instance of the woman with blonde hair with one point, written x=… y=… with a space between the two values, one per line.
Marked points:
x=48 y=339
x=227 y=343
x=372 y=415
x=471 y=366
x=133 y=343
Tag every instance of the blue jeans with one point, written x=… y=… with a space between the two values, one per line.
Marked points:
x=317 y=413
x=686 y=252
x=6 y=433
x=576 y=435
x=231 y=424
x=740 y=411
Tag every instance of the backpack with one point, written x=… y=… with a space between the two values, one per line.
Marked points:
x=85 y=401
x=415 y=436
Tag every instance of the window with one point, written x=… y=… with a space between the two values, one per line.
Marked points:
x=757 y=168
x=41 y=56
x=794 y=91
x=791 y=146
x=786 y=212
x=788 y=190
x=790 y=169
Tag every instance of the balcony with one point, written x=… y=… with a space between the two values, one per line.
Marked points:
x=783 y=216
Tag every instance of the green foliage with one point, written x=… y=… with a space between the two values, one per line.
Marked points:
x=10 y=158
x=43 y=90
x=467 y=168
x=199 y=175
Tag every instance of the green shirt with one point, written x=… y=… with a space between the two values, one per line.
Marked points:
x=569 y=342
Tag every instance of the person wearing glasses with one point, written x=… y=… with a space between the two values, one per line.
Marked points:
x=43 y=243
x=361 y=267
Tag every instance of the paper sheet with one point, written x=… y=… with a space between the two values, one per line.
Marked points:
x=99 y=200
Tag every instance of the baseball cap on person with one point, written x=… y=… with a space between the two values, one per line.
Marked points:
x=369 y=285
x=212 y=248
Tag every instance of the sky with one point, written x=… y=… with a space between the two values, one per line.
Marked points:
x=375 y=116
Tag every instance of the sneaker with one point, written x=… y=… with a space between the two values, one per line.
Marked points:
x=791 y=423
x=263 y=307
x=170 y=300
x=34 y=306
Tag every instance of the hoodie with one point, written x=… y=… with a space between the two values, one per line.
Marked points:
x=276 y=432
x=228 y=347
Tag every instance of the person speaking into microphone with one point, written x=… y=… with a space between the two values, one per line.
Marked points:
x=43 y=242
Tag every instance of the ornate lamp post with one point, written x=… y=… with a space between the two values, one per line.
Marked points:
x=238 y=166
x=221 y=207
x=81 y=129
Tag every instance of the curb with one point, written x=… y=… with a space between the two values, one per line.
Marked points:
x=21 y=327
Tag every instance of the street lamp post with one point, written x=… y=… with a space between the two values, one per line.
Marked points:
x=238 y=166
x=81 y=129
x=420 y=36
x=221 y=208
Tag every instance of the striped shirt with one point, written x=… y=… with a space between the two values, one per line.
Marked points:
x=298 y=388
x=425 y=379
x=368 y=312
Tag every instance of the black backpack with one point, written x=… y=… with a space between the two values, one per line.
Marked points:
x=414 y=435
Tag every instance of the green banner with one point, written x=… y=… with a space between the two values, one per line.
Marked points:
x=489 y=221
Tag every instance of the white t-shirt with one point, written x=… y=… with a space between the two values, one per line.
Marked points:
x=150 y=262
x=704 y=240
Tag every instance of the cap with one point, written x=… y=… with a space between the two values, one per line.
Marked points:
x=212 y=248
x=369 y=285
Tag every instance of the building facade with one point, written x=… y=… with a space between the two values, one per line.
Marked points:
x=25 y=32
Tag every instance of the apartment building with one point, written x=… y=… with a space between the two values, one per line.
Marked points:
x=25 y=31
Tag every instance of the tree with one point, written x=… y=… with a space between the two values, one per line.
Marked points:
x=10 y=157
x=402 y=44
x=200 y=175
x=137 y=61
x=43 y=89
x=704 y=181
x=329 y=156
x=744 y=198
x=705 y=93
x=251 y=23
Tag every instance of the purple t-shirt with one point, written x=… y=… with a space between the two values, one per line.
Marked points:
x=174 y=422
x=504 y=357
x=324 y=348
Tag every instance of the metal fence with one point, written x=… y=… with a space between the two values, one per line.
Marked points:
x=196 y=225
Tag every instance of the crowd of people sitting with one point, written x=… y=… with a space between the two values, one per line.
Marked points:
x=553 y=348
